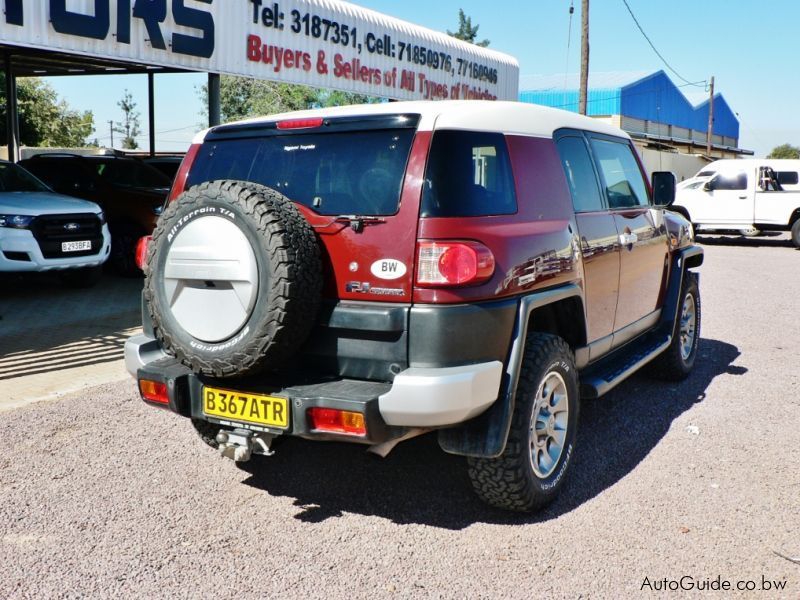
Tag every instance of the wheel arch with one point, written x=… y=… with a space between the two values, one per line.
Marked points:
x=546 y=311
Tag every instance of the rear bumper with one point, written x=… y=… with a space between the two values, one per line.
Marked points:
x=418 y=397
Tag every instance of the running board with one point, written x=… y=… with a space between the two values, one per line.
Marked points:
x=607 y=373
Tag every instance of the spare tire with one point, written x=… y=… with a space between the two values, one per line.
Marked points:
x=233 y=278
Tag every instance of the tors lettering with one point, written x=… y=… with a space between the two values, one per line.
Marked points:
x=97 y=23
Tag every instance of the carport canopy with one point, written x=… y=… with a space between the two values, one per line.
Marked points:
x=21 y=61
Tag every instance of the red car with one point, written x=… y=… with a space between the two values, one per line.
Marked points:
x=372 y=273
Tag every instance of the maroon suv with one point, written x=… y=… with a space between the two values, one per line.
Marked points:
x=373 y=273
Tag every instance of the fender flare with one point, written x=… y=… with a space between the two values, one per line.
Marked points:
x=486 y=435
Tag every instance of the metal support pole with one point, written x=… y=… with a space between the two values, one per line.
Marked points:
x=12 y=116
x=214 y=108
x=151 y=111
x=584 y=84
x=710 y=134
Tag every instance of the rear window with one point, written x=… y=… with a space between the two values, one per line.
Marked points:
x=469 y=175
x=357 y=173
x=788 y=177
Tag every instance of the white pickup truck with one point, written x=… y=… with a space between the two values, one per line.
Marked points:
x=748 y=196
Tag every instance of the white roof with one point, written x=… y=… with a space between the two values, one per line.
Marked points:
x=516 y=118
x=739 y=164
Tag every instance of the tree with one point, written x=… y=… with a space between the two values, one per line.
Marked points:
x=466 y=31
x=129 y=127
x=242 y=97
x=44 y=119
x=785 y=151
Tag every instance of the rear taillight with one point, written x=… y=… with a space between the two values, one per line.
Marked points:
x=300 y=123
x=154 y=391
x=443 y=264
x=141 y=251
x=179 y=184
x=336 y=421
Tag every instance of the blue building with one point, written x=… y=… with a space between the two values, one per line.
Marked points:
x=649 y=106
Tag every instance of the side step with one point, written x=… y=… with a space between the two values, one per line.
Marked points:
x=604 y=375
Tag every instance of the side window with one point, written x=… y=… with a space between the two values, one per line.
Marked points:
x=624 y=185
x=577 y=164
x=730 y=181
x=788 y=177
x=468 y=175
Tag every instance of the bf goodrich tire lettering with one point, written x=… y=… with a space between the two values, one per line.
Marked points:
x=233 y=278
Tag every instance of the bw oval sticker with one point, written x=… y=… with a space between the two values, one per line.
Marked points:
x=388 y=268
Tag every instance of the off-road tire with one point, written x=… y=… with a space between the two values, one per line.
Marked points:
x=671 y=364
x=86 y=277
x=509 y=481
x=796 y=233
x=287 y=257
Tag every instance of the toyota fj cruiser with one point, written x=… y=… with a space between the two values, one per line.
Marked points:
x=371 y=273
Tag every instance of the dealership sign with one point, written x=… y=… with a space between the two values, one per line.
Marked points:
x=322 y=43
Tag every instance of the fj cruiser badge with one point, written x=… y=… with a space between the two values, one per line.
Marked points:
x=388 y=268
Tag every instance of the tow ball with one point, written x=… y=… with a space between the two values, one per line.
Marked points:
x=241 y=444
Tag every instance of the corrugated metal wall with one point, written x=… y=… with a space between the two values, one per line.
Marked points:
x=656 y=98
x=600 y=102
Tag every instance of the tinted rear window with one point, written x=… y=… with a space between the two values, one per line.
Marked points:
x=358 y=172
x=788 y=177
x=469 y=175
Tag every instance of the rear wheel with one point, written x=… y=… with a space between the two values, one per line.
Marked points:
x=530 y=472
x=677 y=361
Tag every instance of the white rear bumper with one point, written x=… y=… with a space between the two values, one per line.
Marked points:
x=445 y=396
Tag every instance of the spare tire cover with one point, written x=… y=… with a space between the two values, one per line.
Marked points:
x=233 y=278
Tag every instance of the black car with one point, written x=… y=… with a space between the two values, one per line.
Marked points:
x=130 y=192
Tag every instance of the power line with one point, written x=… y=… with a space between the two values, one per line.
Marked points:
x=702 y=84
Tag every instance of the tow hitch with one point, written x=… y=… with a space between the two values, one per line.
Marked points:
x=241 y=444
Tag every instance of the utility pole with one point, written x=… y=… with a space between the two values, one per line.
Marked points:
x=584 y=57
x=710 y=134
x=111 y=129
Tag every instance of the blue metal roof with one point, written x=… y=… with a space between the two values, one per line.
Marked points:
x=652 y=97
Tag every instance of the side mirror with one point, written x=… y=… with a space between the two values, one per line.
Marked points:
x=708 y=186
x=663 y=188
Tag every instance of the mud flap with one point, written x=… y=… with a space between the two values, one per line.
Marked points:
x=485 y=436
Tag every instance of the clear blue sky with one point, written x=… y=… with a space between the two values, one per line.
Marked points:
x=748 y=46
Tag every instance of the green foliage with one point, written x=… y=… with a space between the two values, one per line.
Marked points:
x=466 y=31
x=44 y=119
x=130 y=127
x=242 y=97
x=785 y=151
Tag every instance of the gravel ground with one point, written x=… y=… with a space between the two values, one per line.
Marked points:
x=101 y=496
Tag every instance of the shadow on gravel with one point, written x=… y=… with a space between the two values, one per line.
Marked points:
x=767 y=239
x=46 y=326
x=418 y=483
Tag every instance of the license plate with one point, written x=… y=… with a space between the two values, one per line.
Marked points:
x=268 y=411
x=76 y=246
